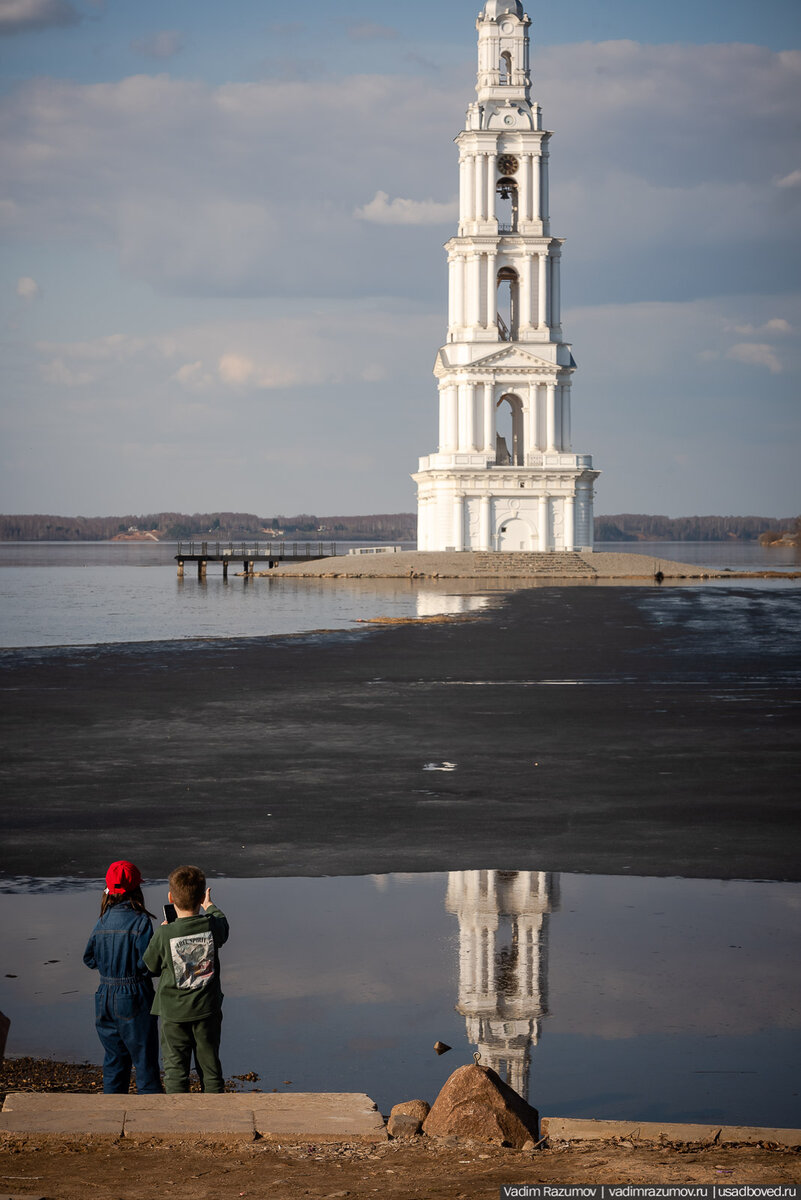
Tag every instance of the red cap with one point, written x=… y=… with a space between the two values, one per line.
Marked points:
x=122 y=877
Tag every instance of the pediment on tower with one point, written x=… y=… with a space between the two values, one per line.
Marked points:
x=511 y=357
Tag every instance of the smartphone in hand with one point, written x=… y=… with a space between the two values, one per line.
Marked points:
x=170 y=914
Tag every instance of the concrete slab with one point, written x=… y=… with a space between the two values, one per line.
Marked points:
x=328 y=1116
x=566 y=1129
x=224 y=1116
x=60 y=1113
x=335 y=1116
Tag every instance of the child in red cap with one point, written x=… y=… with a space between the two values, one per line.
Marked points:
x=125 y=994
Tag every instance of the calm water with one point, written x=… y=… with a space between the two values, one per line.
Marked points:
x=645 y=999
x=97 y=592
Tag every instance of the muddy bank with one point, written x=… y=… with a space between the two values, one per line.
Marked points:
x=611 y=730
x=120 y=1170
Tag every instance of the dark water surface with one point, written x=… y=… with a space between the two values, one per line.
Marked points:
x=630 y=998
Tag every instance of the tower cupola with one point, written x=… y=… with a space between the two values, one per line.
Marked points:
x=494 y=9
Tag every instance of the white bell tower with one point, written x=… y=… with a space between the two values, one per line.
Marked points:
x=505 y=476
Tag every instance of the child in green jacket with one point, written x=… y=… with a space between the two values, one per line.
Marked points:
x=189 y=997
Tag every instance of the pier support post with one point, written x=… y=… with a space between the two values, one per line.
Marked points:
x=201 y=569
x=225 y=570
x=180 y=568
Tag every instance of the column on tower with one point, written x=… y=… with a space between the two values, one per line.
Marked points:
x=550 y=416
x=524 y=196
x=473 y=289
x=531 y=418
x=470 y=197
x=542 y=523
x=536 y=178
x=491 y=306
x=567 y=436
x=570 y=523
x=489 y=419
x=484 y=524
x=467 y=417
x=458 y=521
x=490 y=170
x=545 y=190
x=542 y=290
x=448 y=418
x=464 y=187
x=557 y=423
x=526 y=289
x=456 y=289
x=556 y=317
x=480 y=190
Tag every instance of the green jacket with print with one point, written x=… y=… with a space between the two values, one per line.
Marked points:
x=184 y=953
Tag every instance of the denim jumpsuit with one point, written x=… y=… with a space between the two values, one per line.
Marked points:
x=123 y=999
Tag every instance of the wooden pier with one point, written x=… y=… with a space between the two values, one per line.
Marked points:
x=268 y=554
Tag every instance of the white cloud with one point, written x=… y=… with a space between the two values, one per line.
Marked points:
x=776 y=325
x=33 y=16
x=756 y=354
x=193 y=377
x=164 y=44
x=27 y=288
x=384 y=211
x=793 y=180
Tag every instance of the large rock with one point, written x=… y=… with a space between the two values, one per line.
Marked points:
x=406 y=1119
x=476 y=1103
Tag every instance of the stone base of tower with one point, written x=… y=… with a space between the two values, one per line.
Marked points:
x=542 y=508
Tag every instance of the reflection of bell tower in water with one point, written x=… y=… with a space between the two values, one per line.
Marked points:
x=504 y=476
x=503 y=956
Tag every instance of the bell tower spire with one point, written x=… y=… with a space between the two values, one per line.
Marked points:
x=504 y=476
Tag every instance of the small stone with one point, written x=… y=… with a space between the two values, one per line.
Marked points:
x=413 y=1108
x=402 y=1125
x=442 y=1047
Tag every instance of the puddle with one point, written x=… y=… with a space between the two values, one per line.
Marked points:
x=598 y=996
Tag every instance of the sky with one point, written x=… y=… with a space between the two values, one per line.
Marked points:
x=223 y=284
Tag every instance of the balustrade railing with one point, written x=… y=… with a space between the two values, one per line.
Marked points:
x=252 y=551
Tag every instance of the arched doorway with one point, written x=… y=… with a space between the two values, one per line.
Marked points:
x=507 y=302
x=509 y=445
x=515 y=534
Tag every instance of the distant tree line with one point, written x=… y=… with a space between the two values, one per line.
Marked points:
x=393 y=527
x=172 y=526
x=638 y=527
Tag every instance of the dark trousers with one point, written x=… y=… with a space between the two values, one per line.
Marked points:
x=130 y=1039
x=180 y=1040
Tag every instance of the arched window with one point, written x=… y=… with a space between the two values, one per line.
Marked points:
x=506 y=67
x=506 y=205
x=509 y=448
x=507 y=304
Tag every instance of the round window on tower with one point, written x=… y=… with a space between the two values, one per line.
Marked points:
x=507 y=164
